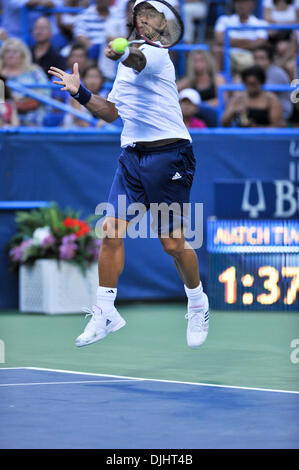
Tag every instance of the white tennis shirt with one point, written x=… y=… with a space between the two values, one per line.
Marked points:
x=147 y=101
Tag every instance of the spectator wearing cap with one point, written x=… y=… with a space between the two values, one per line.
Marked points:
x=190 y=102
x=242 y=42
x=43 y=53
x=263 y=56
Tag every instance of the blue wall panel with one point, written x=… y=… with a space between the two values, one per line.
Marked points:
x=76 y=169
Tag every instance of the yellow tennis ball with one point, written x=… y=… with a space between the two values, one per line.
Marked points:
x=119 y=45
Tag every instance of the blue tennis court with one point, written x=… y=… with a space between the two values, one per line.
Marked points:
x=43 y=408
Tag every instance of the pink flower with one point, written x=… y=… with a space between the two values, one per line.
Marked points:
x=48 y=241
x=68 y=247
x=17 y=253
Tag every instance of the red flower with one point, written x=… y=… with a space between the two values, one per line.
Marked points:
x=70 y=223
x=80 y=228
x=83 y=230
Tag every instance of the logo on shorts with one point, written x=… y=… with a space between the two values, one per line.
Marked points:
x=177 y=176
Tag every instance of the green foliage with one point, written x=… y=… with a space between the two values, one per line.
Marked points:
x=68 y=237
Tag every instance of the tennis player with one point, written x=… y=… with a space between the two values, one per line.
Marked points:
x=156 y=165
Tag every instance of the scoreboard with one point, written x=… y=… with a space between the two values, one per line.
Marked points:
x=254 y=265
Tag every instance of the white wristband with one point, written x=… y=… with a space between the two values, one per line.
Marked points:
x=125 y=55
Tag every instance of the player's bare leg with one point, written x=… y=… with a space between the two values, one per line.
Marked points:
x=105 y=318
x=184 y=258
x=186 y=262
x=111 y=256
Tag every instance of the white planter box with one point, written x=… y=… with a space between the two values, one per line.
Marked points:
x=52 y=287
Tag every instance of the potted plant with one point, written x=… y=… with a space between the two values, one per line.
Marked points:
x=55 y=252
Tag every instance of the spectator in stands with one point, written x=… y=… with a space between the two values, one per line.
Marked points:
x=93 y=80
x=284 y=41
x=285 y=51
x=96 y=26
x=78 y=54
x=12 y=15
x=8 y=110
x=281 y=11
x=16 y=65
x=190 y=102
x=253 y=107
x=242 y=42
x=263 y=56
x=202 y=77
x=194 y=10
x=90 y=27
x=66 y=21
x=43 y=53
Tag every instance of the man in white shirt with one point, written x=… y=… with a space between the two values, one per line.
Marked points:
x=93 y=24
x=241 y=41
x=96 y=25
x=156 y=166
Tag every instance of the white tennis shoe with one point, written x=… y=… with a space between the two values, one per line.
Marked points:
x=99 y=326
x=198 y=323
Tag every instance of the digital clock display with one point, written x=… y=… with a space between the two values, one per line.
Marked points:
x=254 y=265
x=254 y=281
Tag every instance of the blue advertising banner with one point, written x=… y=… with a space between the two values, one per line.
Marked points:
x=257 y=199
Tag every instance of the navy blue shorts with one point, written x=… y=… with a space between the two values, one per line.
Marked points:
x=153 y=175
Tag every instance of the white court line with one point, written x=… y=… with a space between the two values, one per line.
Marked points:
x=73 y=382
x=234 y=387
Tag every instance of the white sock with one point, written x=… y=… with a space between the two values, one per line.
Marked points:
x=106 y=297
x=194 y=296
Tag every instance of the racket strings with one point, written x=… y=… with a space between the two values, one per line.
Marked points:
x=157 y=21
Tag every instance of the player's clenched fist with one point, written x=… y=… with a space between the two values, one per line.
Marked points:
x=110 y=53
x=69 y=82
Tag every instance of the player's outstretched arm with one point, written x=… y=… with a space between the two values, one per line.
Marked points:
x=97 y=105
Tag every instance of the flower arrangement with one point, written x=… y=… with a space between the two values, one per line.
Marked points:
x=52 y=233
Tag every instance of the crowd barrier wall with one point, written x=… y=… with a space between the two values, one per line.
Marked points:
x=76 y=168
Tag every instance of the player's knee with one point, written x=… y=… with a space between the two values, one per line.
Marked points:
x=114 y=229
x=173 y=246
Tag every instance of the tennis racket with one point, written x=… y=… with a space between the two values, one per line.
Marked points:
x=157 y=23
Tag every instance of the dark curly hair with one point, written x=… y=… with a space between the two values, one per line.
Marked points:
x=254 y=71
